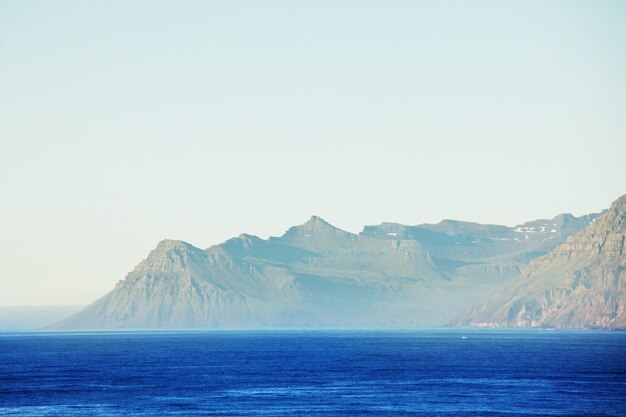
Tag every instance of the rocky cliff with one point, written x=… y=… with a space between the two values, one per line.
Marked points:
x=580 y=284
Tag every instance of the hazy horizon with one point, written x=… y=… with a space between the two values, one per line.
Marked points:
x=125 y=124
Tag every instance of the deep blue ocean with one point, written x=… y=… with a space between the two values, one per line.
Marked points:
x=314 y=373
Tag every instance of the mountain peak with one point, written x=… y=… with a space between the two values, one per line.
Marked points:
x=243 y=240
x=614 y=219
x=317 y=220
x=601 y=241
x=169 y=244
x=563 y=218
x=619 y=204
x=248 y=237
x=315 y=227
x=171 y=253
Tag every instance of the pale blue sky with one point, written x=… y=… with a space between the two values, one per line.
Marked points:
x=123 y=123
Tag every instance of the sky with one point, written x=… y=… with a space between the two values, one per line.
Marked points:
x=125 y=123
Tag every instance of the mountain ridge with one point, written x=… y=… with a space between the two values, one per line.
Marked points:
x=317 y=274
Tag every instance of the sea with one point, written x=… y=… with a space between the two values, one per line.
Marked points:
x=314 y=373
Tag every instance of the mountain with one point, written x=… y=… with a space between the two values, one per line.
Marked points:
x=179 y=285
x=580 y=284
x=316 y=275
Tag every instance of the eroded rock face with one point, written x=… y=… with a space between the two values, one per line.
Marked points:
x=580 y=284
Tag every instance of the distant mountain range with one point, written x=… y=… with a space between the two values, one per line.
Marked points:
x=317 y=275
x=580 y=284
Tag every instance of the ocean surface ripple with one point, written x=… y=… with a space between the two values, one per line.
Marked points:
x=314 y=373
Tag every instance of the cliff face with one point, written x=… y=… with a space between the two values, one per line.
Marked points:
x=580 y=284
x=318 y=275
